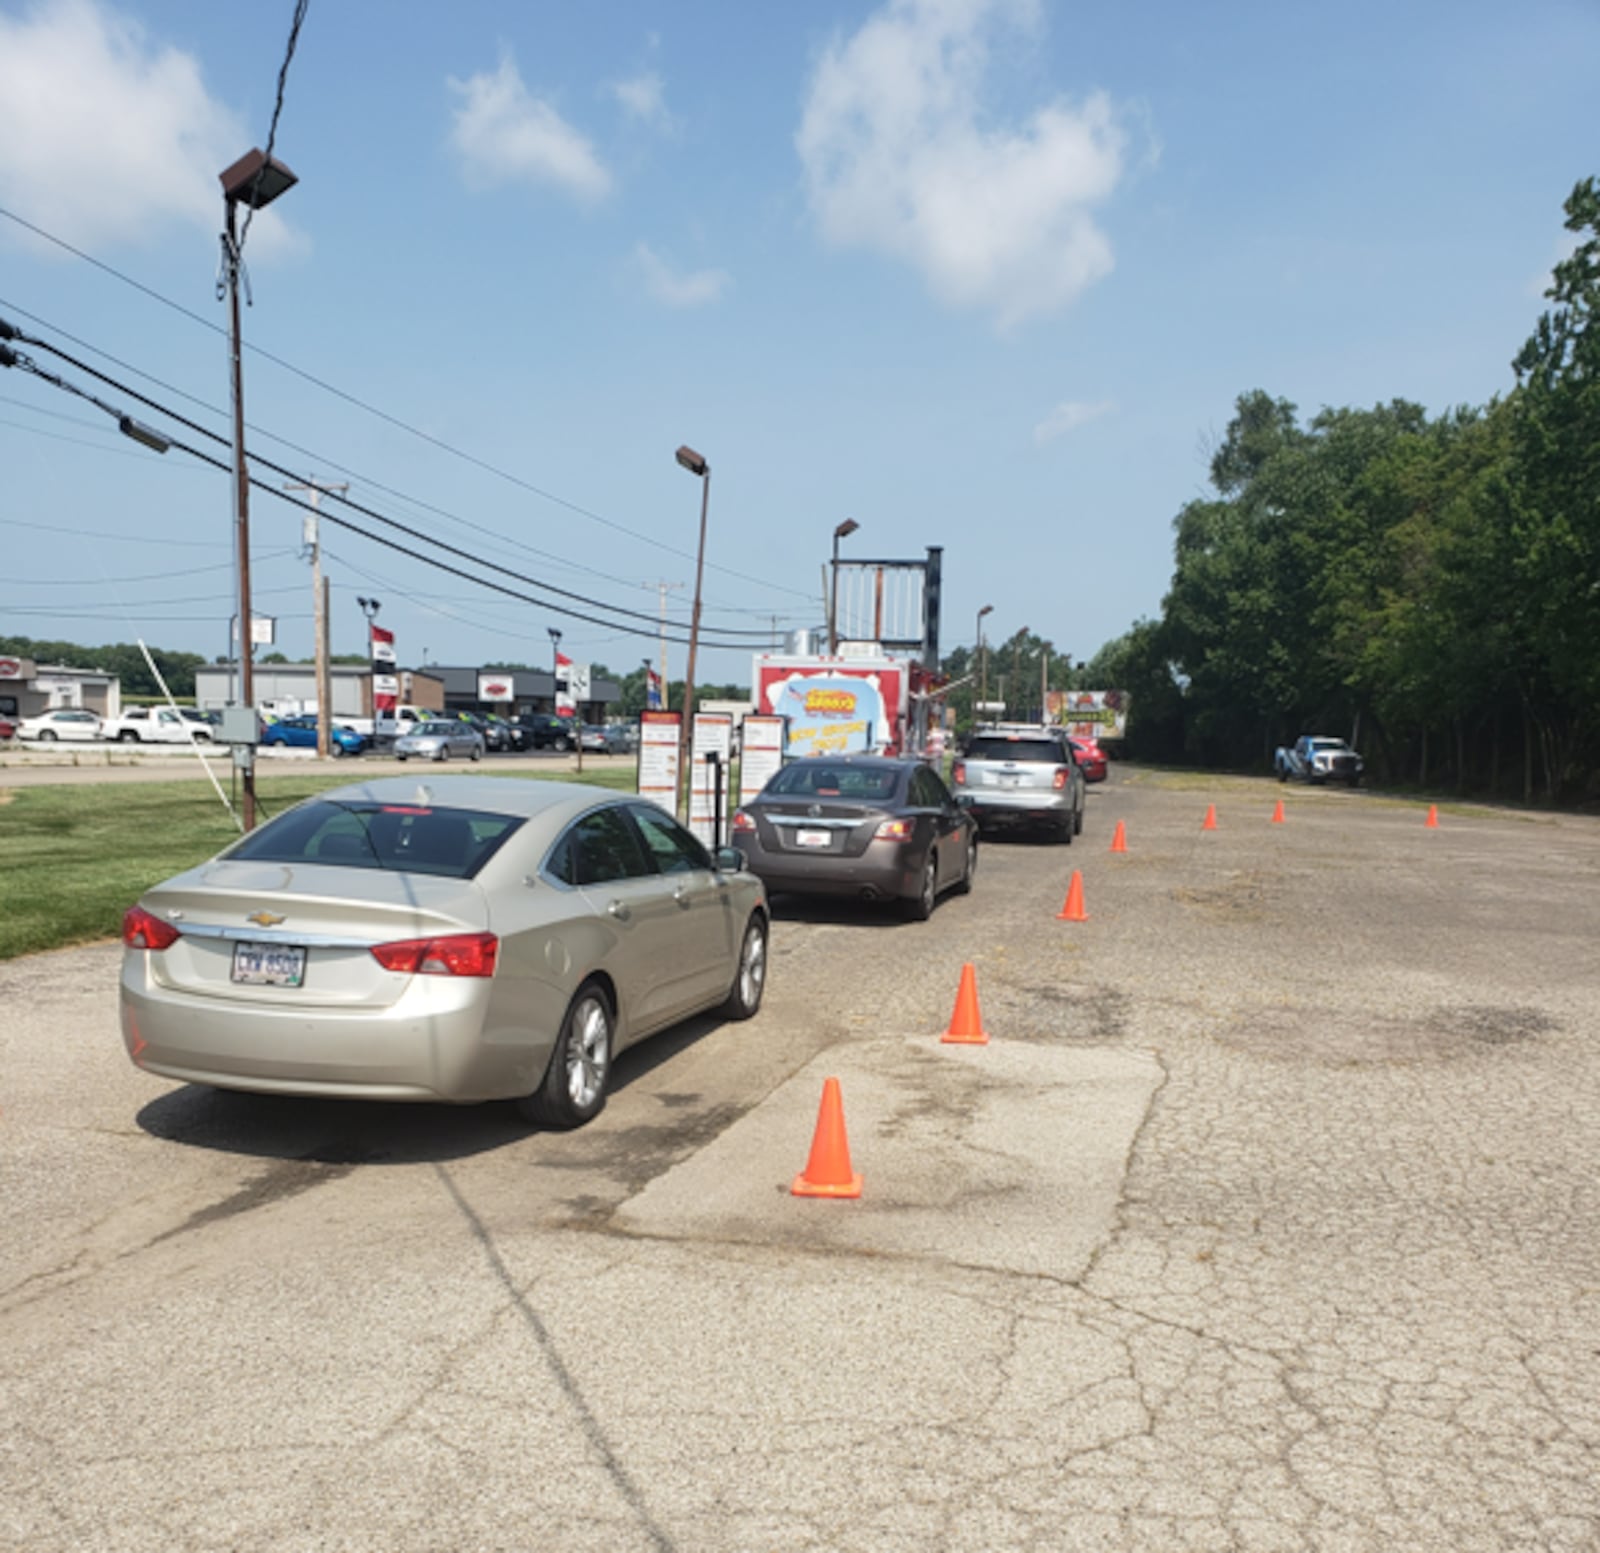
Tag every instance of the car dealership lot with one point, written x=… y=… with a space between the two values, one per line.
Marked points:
x=1267 y=1219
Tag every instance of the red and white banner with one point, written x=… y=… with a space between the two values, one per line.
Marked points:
x=496 y=687
x=565 y=705
x=652 y=690
x=385 y=696
x=382 y=645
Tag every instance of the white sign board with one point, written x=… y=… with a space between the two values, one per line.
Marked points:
x=658 y=758
x=760 y=753
x=578 y=680
x=708 y=779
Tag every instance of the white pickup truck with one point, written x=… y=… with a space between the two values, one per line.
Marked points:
x=157 y=725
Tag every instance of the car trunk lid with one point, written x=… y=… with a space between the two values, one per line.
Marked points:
x=303 y=932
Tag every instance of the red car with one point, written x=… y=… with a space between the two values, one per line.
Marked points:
x=7 y=727
x=1091 y=759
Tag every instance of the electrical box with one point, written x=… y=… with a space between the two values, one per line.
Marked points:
x=239 y=725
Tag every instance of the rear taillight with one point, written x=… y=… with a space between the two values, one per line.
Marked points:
x=893 y=830
x=958 y=773
x=140 y=930
x=742 y=821
x=1061 y=777
x=461 y=954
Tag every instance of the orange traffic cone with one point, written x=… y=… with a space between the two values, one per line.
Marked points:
x=1211 y=817
x=1432 y=821
x=1073 y=910
x=966 y=1024
x=827 y=1172
x=1278 y=816
x=1119 y=838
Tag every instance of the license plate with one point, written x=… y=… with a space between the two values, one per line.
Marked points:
x=813 y=838
x=269 y=965
x=1010 y=781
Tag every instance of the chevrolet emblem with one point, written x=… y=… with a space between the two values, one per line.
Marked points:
x=264 y=919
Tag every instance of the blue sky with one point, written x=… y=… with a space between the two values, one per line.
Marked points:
x=985 y=274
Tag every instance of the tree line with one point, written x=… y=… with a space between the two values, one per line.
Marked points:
x=1428 y=586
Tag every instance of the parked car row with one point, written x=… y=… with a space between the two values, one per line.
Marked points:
x=471 y=940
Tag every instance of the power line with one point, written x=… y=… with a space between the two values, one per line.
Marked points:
x=320 y=458
x=395 y=421
x=277 y=110
x=144 y=399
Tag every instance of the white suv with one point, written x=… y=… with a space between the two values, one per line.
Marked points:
x=1022 y=778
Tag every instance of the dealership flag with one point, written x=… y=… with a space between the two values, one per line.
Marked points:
x=565 y=706
x=652 y=690
x=382 y=645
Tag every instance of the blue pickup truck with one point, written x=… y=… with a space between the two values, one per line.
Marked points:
x=1314 y=757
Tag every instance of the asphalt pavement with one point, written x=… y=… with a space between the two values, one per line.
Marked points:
x=1267 y=1219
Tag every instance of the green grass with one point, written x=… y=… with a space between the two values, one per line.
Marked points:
x=72 y=859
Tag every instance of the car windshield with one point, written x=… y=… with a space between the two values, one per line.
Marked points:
x=1046 y=752
x=437 y=729
x=806 y=778
x=1327 y=744
x=402 y=838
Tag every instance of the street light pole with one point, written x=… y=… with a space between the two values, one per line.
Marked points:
x=983 y=658
x=255 y=180
x=696 y=465
x=843 y=531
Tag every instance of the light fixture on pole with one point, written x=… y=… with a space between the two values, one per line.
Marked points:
x=254 y=181
x=370 y=608
x=555 y=670
x=983 y=657
x=843 y=531
x=697 y=466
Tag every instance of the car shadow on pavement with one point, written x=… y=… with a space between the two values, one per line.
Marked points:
x=374 y=1132
x=838 y=909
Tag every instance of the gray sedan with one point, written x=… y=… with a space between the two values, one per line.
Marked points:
x=868 y=827
x=460 y=939
x=440 y=740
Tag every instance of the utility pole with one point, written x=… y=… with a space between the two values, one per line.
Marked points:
x=663 y=588
x=319 y=601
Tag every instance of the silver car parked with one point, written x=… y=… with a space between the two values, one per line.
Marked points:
x=1021 y=779
x=439 y=740
x=461 y=939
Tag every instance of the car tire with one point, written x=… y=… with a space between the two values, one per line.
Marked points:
x=336 y=749
x=47 y=736
x=573 y=1090
x=1077 y=823
x=1067 y=832
x=477 y=752
x=559 y=744
x=1283 y=773
x=442 y=756
x=920 y=907
x=964 y=884
x=401 y=758
x=128 y=736
x=750 y=979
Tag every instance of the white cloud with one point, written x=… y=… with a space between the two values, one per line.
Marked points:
x=108 y=137
x=1068 y=416
x=505 y=135
x=644 y=98
x=902 y=155
x=675 y=290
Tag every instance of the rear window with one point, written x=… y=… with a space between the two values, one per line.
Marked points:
x=399 y=838
x=1046 y=752
x=804 y=779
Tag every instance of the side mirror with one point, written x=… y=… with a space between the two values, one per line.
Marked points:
x=729 y=860
x=963 y=800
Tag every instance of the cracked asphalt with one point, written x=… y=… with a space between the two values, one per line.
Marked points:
x=1267 y=1220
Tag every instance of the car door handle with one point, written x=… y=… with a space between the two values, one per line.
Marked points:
x=619 y=911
